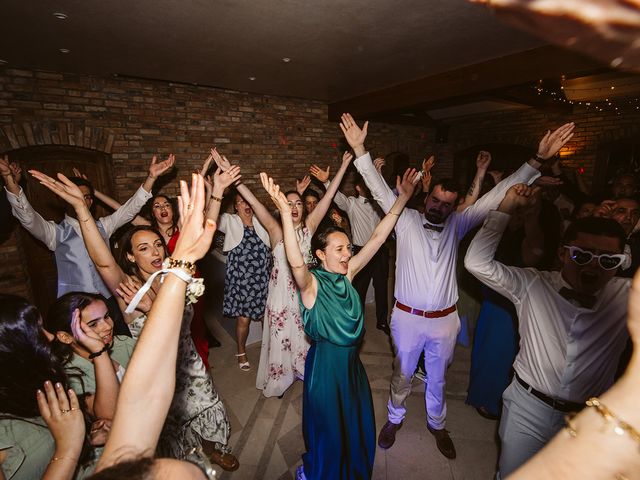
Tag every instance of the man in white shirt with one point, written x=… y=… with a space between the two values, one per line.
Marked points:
x=76 y=271
x=363 y=217
x=571 y=323
x=424 y=317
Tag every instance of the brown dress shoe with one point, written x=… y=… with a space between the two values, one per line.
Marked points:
x=443 y=442
x=227 y=461
x=387 y=436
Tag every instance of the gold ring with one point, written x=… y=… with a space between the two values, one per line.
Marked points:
x=189 y=206
x=64 y=411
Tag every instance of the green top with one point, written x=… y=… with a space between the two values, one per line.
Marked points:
x=86 y=384
x=20 y=438
x=336 y=315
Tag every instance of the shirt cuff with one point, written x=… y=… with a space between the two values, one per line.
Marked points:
x=530 y=173
x=146 y=195
x=362 y=159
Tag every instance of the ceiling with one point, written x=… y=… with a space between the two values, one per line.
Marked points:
x=415 y=60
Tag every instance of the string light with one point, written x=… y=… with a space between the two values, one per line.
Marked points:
x=557 y=94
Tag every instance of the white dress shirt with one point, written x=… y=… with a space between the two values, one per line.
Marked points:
x=566 y=351
x=426 y=259
x=362 y=213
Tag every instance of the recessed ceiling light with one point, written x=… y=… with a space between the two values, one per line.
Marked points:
x=60 y=16
x=286 y=59
x=65 y=50
x=3 y=62
x=252 y=78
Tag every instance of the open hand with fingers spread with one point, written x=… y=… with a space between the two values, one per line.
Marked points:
x=196 y=234
x=223 y=179
x=65 y=189
x=407 y=185
x=354 y=135
x=552 y=142
x=220 y=160
x=319 y=173
x=156 y=169
x=61 y=412
x=301 y=185
x=128 y=289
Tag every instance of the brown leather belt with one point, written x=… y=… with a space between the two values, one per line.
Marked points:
x=423 y=313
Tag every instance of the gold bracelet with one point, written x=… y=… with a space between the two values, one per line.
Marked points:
x=184 y=264
x=391 y=213
x=217 y=199
x=621 y=427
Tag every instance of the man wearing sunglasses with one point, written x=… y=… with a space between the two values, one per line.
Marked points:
x=571 y=324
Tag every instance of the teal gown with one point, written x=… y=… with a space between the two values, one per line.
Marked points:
x=338 y=421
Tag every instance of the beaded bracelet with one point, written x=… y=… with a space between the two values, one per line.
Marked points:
x=621 y=426
x=217 y=199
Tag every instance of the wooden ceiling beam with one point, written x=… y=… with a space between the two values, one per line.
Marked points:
x=516 y=69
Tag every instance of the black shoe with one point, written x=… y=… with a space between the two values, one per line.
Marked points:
x=443 y=442
x=483 y=412
x=384 y=327
x=387 y=436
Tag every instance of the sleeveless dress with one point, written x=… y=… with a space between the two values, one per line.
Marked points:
x=247 y=277
x=284 y=343
x=338 y=420
x=196 y=411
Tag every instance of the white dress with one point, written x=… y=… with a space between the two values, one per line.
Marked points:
x=284 y=343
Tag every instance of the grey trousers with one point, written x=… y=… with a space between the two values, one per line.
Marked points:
x=527 y=425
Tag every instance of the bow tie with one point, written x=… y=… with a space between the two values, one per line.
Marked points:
x=584 y=299
x=437 y=228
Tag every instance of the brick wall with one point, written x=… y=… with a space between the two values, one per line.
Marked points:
x=130 y=120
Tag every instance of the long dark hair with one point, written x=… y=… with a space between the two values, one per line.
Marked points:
x=127 y=265
x=26 y=358
x=174 y=219
x=60 y=315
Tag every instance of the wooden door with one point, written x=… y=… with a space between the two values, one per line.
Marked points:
x=51 y=160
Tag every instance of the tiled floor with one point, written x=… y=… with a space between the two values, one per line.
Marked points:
x=267 y=432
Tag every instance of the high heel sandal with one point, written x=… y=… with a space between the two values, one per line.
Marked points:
x=244 y=366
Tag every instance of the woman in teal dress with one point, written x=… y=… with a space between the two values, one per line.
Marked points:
x=337 y=416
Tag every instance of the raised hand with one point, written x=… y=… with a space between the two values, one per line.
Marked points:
x=206 y=165
x=196 y=234
x=220 y=160
x=483 y=160
x=16 y=171
x=347 y=157
x=379 y=163
x=355 y=135
x=519 y=196
x=61 y=412
x=428 y=163
x=5 y=169
x=63 y=187
x=157 y=169
x=301 y=185
x=84 y=334
x=224 y=178
x=552 y=142
x=407 y=185
x=545 y=181
x=128 y=289
x=78 y=173
x=278 y=197
x=319 y=173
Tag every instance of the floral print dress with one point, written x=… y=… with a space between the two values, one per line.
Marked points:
x=284 y=343
x=196 y=411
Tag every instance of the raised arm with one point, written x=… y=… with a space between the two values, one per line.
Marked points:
x=480 y=259
x=98 y=250
x=264 y=216
x=340 y=199
x=110 y=202
x=405 y=188
x=32 y=221
x=305 y=281
x=550 y=144
x=482 y=164
x=221 y=181
x=355 y=136
x=314 y=218
x=144 y=401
